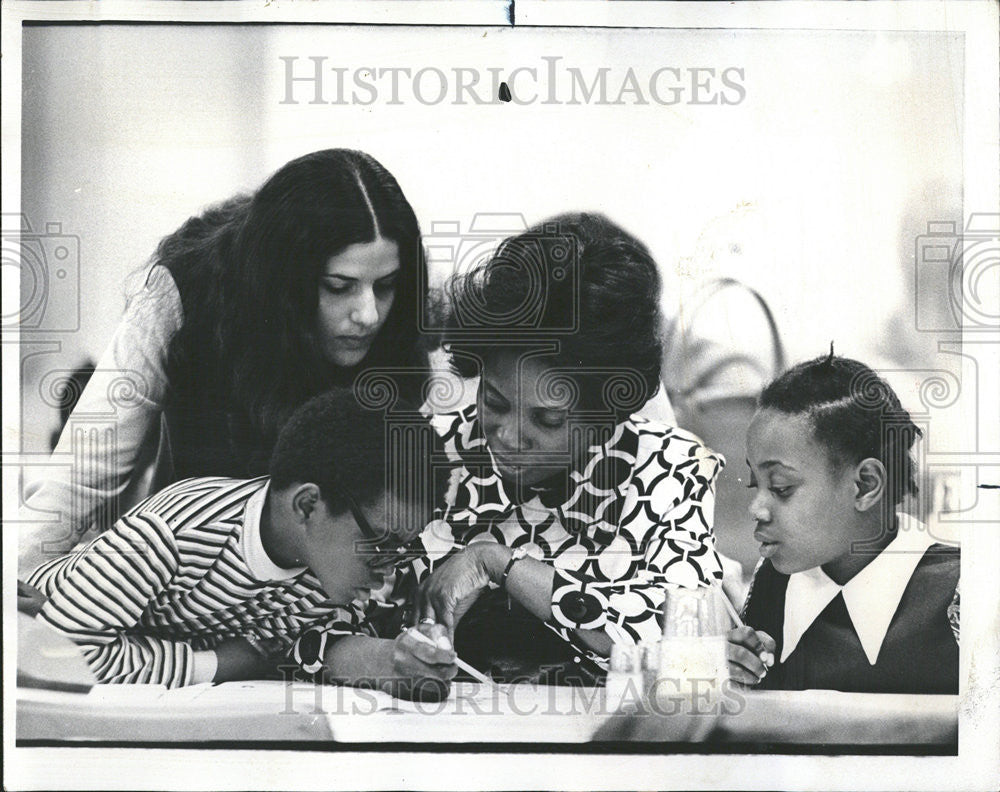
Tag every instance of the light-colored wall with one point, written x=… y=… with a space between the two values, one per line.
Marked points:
x=812 y=188
x=127 y=131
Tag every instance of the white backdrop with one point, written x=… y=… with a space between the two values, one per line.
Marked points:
x=812 y=186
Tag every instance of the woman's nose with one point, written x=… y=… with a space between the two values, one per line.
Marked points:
x=510 y=438
x=364 y=312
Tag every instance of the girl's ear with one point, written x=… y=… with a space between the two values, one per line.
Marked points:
x=869 y=484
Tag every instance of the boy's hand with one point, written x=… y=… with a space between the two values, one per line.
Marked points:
x=750 y=653
x=237 y=659
x=424 y=670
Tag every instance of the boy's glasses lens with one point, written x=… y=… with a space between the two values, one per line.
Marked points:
x=382 y=549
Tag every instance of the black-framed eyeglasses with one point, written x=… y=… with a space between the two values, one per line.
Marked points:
x=381 y=548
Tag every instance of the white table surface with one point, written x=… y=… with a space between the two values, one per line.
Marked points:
x=275 y=711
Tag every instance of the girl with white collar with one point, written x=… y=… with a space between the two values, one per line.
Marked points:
x=849 y=594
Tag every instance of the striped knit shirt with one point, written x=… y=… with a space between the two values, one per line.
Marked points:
x=173 y=577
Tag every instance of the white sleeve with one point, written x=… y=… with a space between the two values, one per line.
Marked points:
x=114 y=426
x=204 y=666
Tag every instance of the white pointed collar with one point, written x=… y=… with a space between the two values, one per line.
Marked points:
x=871 y=596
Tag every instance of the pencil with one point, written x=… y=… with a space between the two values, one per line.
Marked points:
x=733 y=613
x=766 y=657
x=479 y=676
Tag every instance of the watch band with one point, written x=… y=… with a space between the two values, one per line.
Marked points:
x=517 y=554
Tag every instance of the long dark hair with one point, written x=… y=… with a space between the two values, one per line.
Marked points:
x=248 y=271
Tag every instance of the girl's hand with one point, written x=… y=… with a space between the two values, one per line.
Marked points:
x=750 y=653
x=420 y=670
x=451 y=589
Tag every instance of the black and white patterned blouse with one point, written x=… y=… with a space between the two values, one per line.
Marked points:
x=636 y=517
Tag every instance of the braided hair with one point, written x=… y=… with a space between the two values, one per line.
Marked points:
x=854 y=413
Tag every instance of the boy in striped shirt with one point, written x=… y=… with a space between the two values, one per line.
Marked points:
x=214 y=579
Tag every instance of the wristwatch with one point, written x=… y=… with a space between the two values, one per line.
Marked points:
x=515 y=556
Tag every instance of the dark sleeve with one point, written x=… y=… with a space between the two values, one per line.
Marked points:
x=954 y=614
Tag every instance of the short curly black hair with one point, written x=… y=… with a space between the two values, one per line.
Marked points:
x=854 y=413
x=575 y=279
x=343 y=446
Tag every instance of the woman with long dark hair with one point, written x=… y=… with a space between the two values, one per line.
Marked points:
x=248 y=310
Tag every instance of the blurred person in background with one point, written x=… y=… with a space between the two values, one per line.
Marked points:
x=722 y=346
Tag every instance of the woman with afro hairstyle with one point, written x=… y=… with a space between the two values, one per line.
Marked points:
x=573 y=513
